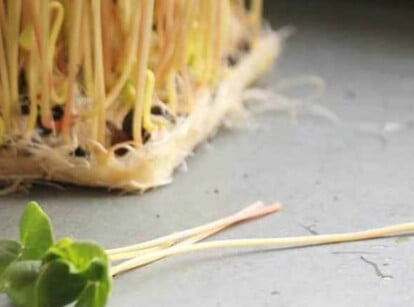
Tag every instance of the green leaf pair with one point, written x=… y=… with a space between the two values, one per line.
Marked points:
x=40 y=273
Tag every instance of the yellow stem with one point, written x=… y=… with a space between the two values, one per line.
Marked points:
x=149 y=93
x=87 y=53
x=2 y=129
x=128 y=64
x=170 y=43
x=32 y=82
x=3 y=19
x=44 y=63
x=56 y=26
x=73 y=65
x=143 y=54
x=14 y=9
x=99 y=83
x=4 y=78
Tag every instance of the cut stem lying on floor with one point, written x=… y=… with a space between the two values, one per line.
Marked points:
x=300 y=241
x=193 y=235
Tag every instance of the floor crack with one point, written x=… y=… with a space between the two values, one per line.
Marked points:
x=310 y=229
x=376 y=268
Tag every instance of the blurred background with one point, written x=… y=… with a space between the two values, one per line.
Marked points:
x=363 y=49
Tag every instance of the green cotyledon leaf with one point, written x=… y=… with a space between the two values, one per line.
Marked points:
x=18 y=282
x=95 y=295
x=79 y=253
x=9 y=252
x=88 y=261
x=36 y=233
x=57 y=285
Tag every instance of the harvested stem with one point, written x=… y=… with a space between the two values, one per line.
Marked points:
x=256 y=210
x=266 y=242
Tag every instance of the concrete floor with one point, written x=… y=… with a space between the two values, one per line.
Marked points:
x=330 y=178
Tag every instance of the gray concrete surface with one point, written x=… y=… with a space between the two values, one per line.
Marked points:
x=330 y=178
